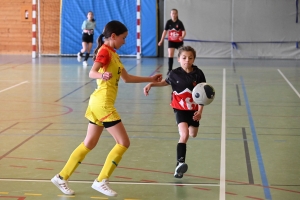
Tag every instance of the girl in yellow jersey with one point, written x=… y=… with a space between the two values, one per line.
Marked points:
x=101 y=112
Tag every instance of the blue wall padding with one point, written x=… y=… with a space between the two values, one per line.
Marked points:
x=74 y=12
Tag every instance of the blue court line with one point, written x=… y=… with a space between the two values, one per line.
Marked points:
x=259 y=158
x=128 y=70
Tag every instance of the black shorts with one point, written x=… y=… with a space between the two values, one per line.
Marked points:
x=87 y=38
x=186 y=116
x=175 y=45
x=107 y=124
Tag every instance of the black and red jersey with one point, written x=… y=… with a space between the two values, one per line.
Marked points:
x=182 y=84
x=175 y=30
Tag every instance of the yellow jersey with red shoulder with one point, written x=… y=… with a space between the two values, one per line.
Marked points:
x=101 y=104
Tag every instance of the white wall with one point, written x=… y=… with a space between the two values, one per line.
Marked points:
x=260 y=28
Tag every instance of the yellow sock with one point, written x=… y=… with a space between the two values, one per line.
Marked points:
x=113 y=159
x=75 y=159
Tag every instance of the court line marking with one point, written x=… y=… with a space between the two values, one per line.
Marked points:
x=32 y=194
x=14 y=86
x=247 y=156
x=259 y=158
x=74 y=90
x=288 y=82
x=23 y=142
x=116 y=182
x=222 y=194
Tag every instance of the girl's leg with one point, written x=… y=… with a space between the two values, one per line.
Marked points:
x=171 y=55
x=84 y=48
x=115 y=155
x=88 y=50
x=90 y=141
x=181 y=146
x=181 y=166
x=193 y=131
x=113 y=159
x=80 y=53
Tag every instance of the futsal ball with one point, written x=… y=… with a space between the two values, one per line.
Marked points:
x=203 y=94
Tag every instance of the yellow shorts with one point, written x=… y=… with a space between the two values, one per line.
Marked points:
x=98 y=114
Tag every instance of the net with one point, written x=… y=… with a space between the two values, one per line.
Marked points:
x=61 y=20
x=49 y=27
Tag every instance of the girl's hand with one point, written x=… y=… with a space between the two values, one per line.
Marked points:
x=147 y=89
x=197 y=116
x=157 y=77
x=106 y=76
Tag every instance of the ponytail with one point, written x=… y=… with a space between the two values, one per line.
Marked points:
x=99 y=43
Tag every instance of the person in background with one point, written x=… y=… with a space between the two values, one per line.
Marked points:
x=88 y=27
x=176 y=33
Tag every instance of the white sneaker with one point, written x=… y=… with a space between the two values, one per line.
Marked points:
x=62 y=185
x=78 y=57
x=85 y=64
x=180 y=170
x=103 y=188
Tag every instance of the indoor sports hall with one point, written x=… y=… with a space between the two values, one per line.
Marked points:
x=248 y=143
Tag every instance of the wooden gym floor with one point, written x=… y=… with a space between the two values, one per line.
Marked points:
x=248 y=145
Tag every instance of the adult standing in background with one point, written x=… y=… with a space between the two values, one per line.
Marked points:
x=87 y=27
x=176 y=33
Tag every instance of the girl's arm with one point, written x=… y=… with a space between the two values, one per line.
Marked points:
x=157 y=84
x=96 y=75
x=198 y=114
x=164 y=33
x=128 y=78
x=183 y=35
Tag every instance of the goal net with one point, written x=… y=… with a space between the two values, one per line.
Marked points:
x=60 y=25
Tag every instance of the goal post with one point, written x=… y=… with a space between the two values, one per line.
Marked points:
x=59 y=25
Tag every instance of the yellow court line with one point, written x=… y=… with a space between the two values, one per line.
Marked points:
x=3 y=192
x=98 y=198
x=131 y=199
x=31 y=194
x=67 y=196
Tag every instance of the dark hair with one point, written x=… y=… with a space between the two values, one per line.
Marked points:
x=186 y=48
x=111 y=27
x=174 y=9
x=93 y=14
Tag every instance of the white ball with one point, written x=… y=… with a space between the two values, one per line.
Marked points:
x=203 y=94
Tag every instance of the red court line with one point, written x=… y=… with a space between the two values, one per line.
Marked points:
x=15 y=66
x=13 y=197
x=69 y=110
x=8 y=127
x=156 y=70
x=253 y=198
x=18 y=166
x=198 y=188
x=44 y=168
x=123 y=177
x=157 y=171
x=1 y=157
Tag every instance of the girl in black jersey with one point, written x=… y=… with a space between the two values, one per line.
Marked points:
x=187 y=113
x=176 y=32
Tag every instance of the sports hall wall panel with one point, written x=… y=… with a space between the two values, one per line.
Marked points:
x=74 y=12
x=61 y=22
x=15 y=29
x=239 y=28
